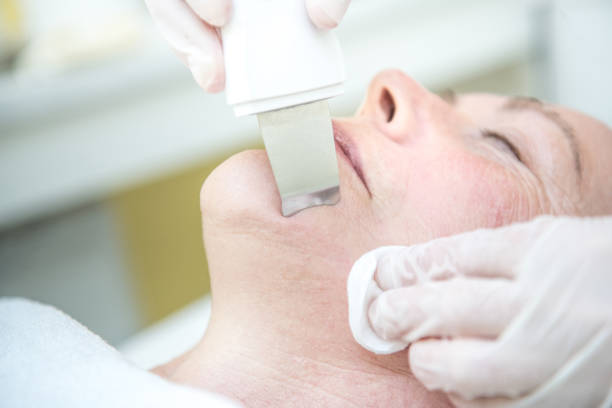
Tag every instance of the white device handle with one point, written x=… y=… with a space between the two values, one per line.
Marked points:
x=275 y=57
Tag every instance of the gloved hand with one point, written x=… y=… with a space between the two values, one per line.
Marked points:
x=190 y=26
x=516 y=316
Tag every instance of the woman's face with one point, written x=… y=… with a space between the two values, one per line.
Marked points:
x=414 y=167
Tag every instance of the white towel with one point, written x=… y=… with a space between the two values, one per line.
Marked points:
x=48 y=359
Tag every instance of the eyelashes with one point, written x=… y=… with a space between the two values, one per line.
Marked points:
x=504 y=143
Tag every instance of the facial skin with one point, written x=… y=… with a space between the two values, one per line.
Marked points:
x=413 y=167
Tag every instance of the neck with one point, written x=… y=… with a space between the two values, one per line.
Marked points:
x=283 y=339
x=270 y=376
x=298 y=370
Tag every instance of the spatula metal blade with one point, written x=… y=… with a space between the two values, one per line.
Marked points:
x=300 y=144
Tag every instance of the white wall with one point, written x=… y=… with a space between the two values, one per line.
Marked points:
x=581 y=55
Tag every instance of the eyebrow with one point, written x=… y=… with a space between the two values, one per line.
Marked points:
x=533 y=104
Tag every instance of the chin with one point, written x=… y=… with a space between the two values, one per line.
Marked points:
x=242 y=192
x=241 y=188
x=240 y=197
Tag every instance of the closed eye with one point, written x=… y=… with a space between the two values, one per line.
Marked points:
x=505 y=143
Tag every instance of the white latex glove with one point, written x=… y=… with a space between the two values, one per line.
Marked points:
x=516 y=316
x=190 y=26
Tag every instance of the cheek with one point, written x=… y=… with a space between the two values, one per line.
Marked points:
x=456 y=192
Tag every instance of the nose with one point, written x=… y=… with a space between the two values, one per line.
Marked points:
x=397 y=104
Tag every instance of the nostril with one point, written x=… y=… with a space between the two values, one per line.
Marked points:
x=387 y=103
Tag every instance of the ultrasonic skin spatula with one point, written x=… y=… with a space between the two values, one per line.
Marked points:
x=282 y=68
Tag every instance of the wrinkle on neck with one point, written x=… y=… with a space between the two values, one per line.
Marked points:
x=273 y=377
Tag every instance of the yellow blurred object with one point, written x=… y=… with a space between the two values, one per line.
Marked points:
x=161 y=227
x=12 y=33
x=11 y=18
x=162 y=233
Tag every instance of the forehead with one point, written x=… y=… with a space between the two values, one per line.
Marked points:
x=487 y=104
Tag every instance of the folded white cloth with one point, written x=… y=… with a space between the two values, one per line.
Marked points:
x=48 y=359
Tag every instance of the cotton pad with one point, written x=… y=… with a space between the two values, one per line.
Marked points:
x=362 y=291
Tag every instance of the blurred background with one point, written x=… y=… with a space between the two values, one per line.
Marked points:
x=105 y=139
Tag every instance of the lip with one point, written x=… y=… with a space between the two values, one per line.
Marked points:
x=350 y=152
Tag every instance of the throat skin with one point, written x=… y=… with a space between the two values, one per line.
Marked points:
x=279 y=334
x=296 y=364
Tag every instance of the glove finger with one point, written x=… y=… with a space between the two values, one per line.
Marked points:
x=196 y=43
x=405 y=266
x=327 y=14
x=215 y=12
x=474 y=368
x=396 y=268
x=481 y=253
x=582 y=382
x=459 y=307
